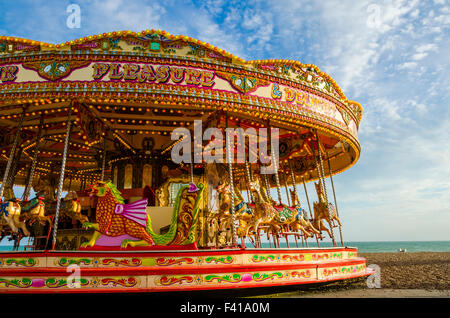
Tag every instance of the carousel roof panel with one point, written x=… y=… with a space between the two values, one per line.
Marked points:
x=160 y=41
x=131 y=87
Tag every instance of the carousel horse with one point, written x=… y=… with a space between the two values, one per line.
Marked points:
x=264 y=212
x=224 y=203
x=45 y=189
x=301 y=216
x=34 y=210
x=322 y=211
x=71 y=208
x=290 y=217
x=10 y=211
x=242 y=211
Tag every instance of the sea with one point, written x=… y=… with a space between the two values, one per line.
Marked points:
x=381 y=246
x=363 y=247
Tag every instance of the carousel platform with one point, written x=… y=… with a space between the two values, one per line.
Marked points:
x=168 y=270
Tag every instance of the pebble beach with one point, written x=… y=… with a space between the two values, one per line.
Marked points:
x=416 y=274
x=419 y=270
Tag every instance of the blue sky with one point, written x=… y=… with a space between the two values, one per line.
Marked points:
x=393 y=57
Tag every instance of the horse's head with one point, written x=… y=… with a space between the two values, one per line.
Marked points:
x=223 y=188
x=254 y=185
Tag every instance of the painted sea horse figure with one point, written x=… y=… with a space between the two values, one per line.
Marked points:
x=132 y=223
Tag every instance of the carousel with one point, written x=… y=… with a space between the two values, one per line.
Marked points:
x=151 y=162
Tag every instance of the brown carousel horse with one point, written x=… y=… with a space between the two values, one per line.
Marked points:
x=322 y=211
x=71 y=208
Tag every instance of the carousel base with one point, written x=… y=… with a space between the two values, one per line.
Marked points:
x=95 y=271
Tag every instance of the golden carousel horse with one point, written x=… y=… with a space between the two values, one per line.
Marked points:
x=290 y=217
x=221 y=219
x=242 y=211
x=10 y=211
x=301 y=218
x=264 y=212
x=322 y=211
x=224 y=202
x=34 y=210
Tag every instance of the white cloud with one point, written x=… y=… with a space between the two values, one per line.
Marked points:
x=418 y=56
x=393 y=58
x=426 y=47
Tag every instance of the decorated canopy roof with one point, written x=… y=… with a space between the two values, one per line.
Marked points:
x=129 y=90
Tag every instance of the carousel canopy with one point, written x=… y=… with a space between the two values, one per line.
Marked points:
x=125 y=92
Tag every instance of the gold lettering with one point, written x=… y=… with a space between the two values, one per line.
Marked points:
x=177 y=74
x=300 y=98
x=193 y=77
x=290 y=94
x=207 y=79
x=162 y=73
x=115 y=73
x=146 y=74
x=131 y=71
x=8 y=73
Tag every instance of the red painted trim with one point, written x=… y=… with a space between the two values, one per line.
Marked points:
x=334 y=263
x=189 y=247
x=165 y=252
x=172 y=289
x=173 y=270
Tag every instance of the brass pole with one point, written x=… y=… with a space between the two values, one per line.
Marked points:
x=322 y=183
x=309 y=206
x=103 y=160
x=230 y=157
x=335 y=201
x=61 y=175
x=26 y=192
x=12 y=154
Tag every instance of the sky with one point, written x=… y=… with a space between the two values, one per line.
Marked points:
x=392 y=57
